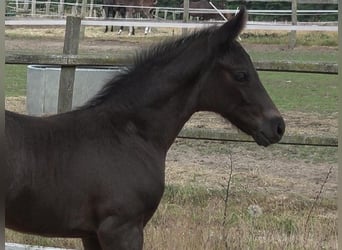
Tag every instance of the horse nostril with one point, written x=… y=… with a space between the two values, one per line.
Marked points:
x=281 y=127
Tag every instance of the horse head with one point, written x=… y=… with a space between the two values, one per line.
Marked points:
x=233 y=89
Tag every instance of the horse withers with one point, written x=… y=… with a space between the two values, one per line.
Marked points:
x=98 y=172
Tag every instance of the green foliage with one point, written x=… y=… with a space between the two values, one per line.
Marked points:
x=15 y=80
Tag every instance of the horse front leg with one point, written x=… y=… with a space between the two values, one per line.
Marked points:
x=129 y=14
x=147 y=30
x=113 y=234
x=120 y=30
x=131 y=31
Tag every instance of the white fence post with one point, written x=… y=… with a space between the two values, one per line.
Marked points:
x=33 y=7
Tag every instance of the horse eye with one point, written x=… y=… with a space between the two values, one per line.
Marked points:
x=241 y=76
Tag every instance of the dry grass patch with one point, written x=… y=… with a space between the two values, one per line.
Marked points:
x=191 y=217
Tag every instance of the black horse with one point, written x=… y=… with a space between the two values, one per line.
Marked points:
x=98 y=172
x=110 y=12
x=129 y=12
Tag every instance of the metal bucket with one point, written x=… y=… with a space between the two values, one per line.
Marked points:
x=43 y=86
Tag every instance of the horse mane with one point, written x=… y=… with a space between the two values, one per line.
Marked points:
x=124 y=86
x=169 y=49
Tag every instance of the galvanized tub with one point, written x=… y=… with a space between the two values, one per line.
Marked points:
x=43 y=86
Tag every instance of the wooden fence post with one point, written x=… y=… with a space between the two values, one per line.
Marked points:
x=293 y=33
x=66 y=82
x=83 y=15
x=185 y=15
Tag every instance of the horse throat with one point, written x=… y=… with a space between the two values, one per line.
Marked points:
x=159 y=117
x=167 y=118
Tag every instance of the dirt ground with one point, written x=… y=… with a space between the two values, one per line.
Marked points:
x=279 y=170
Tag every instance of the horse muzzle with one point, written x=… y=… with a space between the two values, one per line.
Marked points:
x=271 y=131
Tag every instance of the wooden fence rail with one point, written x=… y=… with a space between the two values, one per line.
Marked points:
x=221 y=135
x=126 y=58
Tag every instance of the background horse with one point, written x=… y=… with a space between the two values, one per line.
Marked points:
x=98 y=172
x=110 y=12
x=204 y=4
x=129 y=12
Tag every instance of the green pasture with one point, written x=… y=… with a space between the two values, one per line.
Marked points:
x=15 y=80
x=303 y=38
x=301 y=91
x=290 y=91
x=329 y=56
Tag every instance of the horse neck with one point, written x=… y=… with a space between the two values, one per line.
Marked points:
x=158 y=117
x=160 y=93
x=166 y=121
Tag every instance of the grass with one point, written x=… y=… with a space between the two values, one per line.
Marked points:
x=296 y=55
x=309 y=48
x=308 y=154
x=304 y=38
x=301 y=91
x=191 y=217
x=15 y=80
x=199 y=223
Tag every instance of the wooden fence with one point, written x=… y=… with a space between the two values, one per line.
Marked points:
x=123 y=59
x=69 y=60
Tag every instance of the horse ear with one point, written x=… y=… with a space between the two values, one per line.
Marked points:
x=231 y=29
